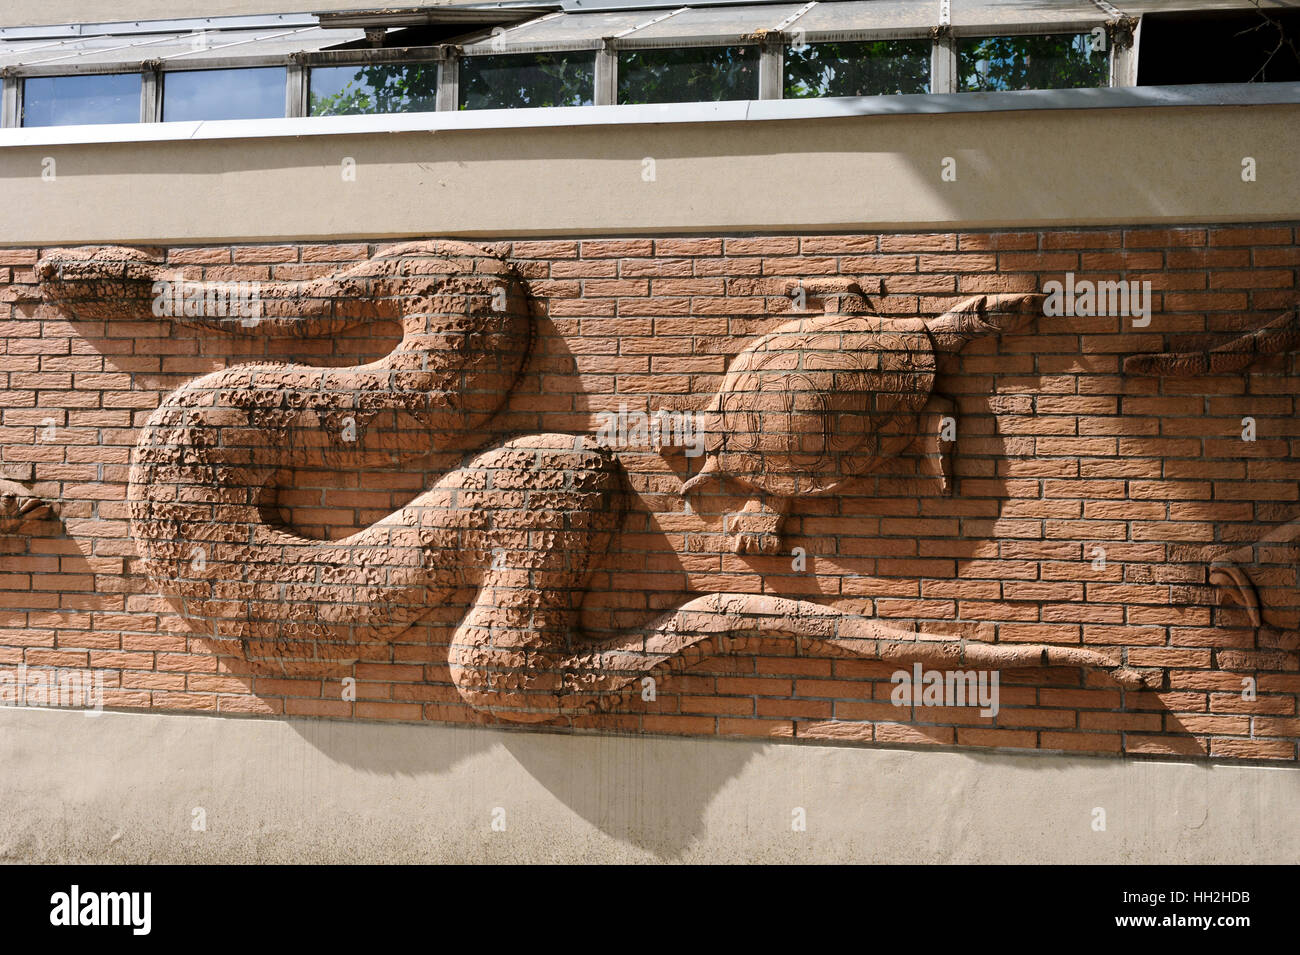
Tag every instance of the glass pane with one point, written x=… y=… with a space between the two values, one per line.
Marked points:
x=70 y=100
x=224 y=94
x=689 y=75
x=399 y=88
x=1055 y=62
x=527 y=79
x=857 y=69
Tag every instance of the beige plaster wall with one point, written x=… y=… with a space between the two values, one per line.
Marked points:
x=124 y=787
x=1047 y=167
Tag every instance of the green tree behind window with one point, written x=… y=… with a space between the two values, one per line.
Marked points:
x=1055 y=62
x=871 y=68
x=512 y=80
x=690 y=75
x=394 y=88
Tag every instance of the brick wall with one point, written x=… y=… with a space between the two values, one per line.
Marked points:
x=1058 y=454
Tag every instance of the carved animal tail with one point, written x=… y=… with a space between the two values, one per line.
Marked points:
x=113 y=282
x=1278 y=336
x=606 y=675
x=983 y=315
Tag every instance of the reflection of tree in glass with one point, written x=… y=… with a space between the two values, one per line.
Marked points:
x=527 y=79
x=1056 y=62
x=691 y=75
x=398 y=88
x=858 y=69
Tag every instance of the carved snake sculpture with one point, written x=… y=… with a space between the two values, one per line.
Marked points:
x=521 y=524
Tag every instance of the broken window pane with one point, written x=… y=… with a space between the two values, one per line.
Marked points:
x=690 y=75
x=527 y=79
x=870 y=68
x=1054 y=62
x=256 y=93
x=394 y=88
x=72 y=100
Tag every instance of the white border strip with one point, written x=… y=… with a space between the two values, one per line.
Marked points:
x=1245 y=94
x=649 y=23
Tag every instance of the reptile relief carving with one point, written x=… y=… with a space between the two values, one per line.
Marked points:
x=521 y=524
x=825 y=399
x=1260 y=578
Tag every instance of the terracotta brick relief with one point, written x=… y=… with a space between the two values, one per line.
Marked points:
x=601 y=475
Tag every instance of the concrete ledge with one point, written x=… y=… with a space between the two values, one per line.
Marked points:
x=1023 y=169
x=124 y=788
x=735 y=111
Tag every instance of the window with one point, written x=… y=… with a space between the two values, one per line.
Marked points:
x=1053 y=62
x=690 y=75
x=527 y=79
x=70 y=100
x=857 y=69
x=399 y=88
x=256 y=93
x=1235 y=47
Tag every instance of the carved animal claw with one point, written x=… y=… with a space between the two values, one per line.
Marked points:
x=755 y=529
x=755 y=544
x=32 y=506
x=18 y=505
x=708 y=474
x=1236 y=589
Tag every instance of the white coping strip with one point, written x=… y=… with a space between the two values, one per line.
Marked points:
x=1107 y=9
x=794 y=16
x=1246 y=94
x=98 y=51
x=651 y=22
x=532 y=22
x=225 y=46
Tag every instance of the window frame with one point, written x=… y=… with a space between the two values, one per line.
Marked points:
x=446 y=57
x=19 y=106
x=296 y=65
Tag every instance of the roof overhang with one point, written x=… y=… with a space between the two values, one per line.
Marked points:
x=390 y=17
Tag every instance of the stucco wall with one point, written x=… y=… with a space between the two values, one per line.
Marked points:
x=1048 y=167
x=124 y=788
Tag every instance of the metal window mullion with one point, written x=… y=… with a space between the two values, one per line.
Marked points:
x=771 y=67
x=606 y=74
x=943 y=64
x=943 y=52
x=448 y=81
x=151 y=94
x=295 y=90
x=11 y=98
x=1124 y=60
